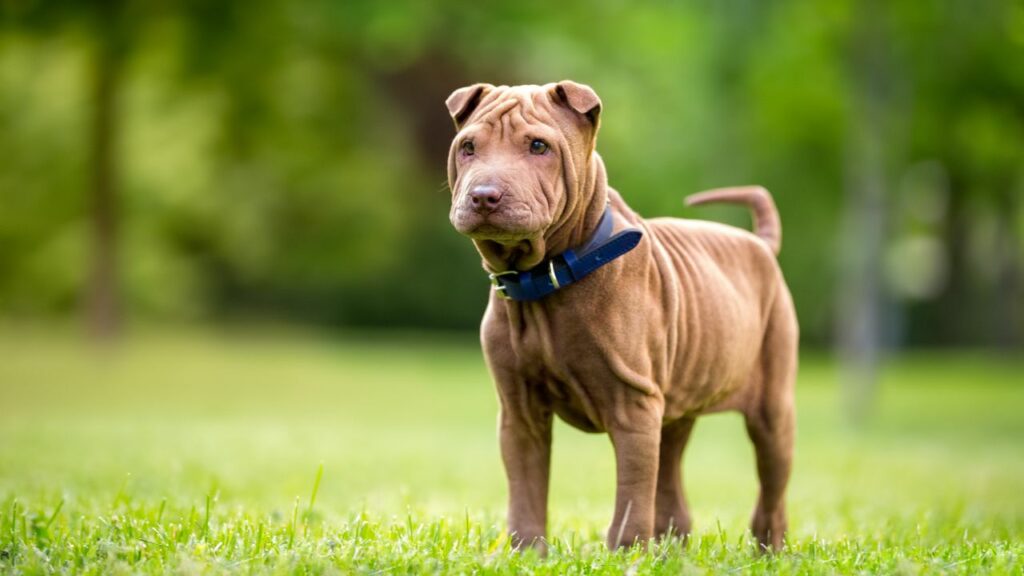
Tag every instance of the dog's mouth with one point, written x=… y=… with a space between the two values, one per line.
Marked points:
x=503 y=227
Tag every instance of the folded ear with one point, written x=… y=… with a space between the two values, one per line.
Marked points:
x=463 y=101
x=581 y=98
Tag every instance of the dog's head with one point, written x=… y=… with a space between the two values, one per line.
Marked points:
x=518 y=167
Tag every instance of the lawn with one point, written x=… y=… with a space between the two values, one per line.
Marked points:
x=195 y=450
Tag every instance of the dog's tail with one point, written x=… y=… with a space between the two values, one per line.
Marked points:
x=766 y=217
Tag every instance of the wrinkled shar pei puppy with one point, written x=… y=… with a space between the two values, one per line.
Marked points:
x=618 y=324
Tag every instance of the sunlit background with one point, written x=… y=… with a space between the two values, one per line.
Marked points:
x=225 y=255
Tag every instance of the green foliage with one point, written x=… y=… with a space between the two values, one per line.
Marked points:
x=288 y=158
x=203 y=452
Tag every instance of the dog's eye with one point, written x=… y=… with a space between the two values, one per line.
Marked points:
x=538 y=147
x=468 y=148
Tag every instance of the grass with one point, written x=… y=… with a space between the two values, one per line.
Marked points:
x=200 y=451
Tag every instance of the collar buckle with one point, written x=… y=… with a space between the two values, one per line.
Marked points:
x=552 y=276
x=500 y=289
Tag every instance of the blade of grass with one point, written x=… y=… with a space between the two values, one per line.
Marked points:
x=206 y=517
x=121 y=491
x=295 y=519
x=312 y=499
x=53 y=516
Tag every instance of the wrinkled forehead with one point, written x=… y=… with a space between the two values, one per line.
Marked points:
x=515 y=109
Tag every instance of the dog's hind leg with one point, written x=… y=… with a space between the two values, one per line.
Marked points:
x=671 y=512
x=771 y=422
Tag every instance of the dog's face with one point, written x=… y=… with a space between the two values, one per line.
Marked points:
x=516 y=166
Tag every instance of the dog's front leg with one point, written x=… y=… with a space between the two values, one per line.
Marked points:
x=525 y=430
x=636 y=470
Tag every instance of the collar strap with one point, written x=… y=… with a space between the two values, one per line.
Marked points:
x=568 y=267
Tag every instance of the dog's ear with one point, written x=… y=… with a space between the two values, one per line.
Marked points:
x=580 y=98
x=463 y=101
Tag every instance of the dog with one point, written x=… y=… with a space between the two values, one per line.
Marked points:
x=615 y=323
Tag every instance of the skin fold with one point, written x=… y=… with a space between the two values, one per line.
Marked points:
x=696 y=319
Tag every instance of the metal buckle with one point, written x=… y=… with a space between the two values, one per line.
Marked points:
x=499 y=288
x=552 y=275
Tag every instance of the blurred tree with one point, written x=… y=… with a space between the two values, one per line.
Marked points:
x=108 y=31
x=107 y=27
x=869 y=146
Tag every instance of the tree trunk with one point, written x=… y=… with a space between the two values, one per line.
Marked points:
x=103 y=301
x=1008 y=290
x=860 y=295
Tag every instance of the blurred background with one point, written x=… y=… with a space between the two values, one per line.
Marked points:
x=204 y=161
x=173 y=174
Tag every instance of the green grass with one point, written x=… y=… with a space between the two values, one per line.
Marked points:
x=199 y=451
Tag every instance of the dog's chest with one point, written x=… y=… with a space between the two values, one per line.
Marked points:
x=554 y=360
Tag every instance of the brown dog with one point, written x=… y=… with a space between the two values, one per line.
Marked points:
x=690 y=318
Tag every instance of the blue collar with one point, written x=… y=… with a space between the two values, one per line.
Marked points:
x=568 y=267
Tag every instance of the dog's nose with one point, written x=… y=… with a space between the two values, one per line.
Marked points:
x=485 y=197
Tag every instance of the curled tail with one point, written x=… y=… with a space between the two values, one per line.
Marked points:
x=766 y=217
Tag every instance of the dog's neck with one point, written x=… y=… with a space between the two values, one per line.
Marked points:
x=579 y=222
